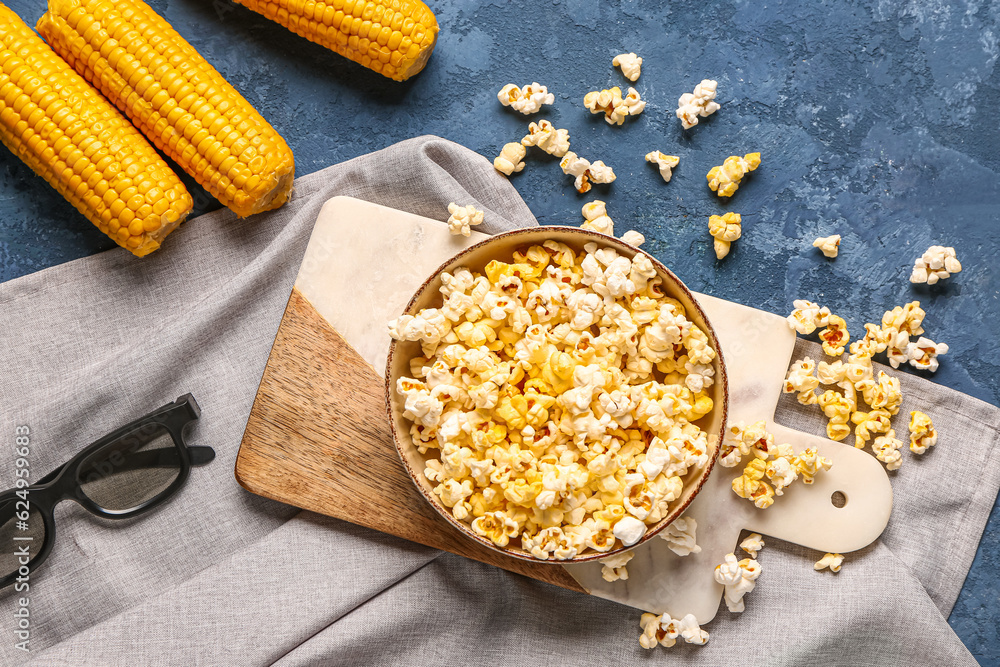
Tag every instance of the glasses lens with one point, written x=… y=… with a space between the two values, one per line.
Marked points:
x=132 y=469
x=21 y=535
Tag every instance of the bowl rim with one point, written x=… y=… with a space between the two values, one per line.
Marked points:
x=520 y=554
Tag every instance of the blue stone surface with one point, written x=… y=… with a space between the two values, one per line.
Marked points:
x=876 y=121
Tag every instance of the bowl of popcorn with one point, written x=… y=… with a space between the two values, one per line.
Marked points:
x=556 y=394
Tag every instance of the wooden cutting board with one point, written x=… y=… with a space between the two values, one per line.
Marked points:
x=318 y=436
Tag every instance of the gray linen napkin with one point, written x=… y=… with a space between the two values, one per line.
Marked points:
x=220 y=577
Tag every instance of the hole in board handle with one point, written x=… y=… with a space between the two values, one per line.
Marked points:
x=839 y=499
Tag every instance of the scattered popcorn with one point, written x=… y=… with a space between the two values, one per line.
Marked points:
x=887 y=448
x=868 y=425
x=595 y=215
x=831 y=561
x=725 y=229
x=614 y=107
x=781 y=472
x=807 y=316
x=528 y=99
x=834 y=373
x=809 y=463
x=838 y=409
x=922 y=432
x=835 y=336
x=585 y=171
x=462 y=217
x=699 y=103
x=690 y=631
x=680 y=535
x=613 y=567
x=633 y=103
x=664 y=631
x=510 y=159
x=937 y=263
x=633 y=238
x=630 y=64
x=724 y=180
x=665 y=163
x=923 y=354
x=828 y=245
x=753 y=543
x=544 y=135
x=556 y=394
x=801 y=380
x=739 y=578
x=882 y=393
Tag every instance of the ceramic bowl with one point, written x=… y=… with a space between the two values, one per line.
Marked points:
x=501 y=247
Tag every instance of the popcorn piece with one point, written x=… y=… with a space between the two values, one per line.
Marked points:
x=614 y=107
x=549 y=543
x=869 y=424
x=835 y=336
x=882 y=393
x=699 y=103
x=725 y=179
x=887 y=448
x=586 y=172
x=629 y=530
x=739 y=578
x=510 y=159
x=837 y=408
x=664 y=631
x=596 y=218
x=725 y=229
x=750 y=486
x=613 y=567
x=665 y=163
x=937 y=263
x=633 y=103
x=809 y=463
x=657 y=630
x=781 y=472
x=923 y=354
x=906 y=319
x=690 y=631
x=680 y=535
x=922 y=432
x=527 y=99
x=831 y=561
x=834 y=373
x=630 y=64
x=801 y=379
x=807 y=316
x=497 y=526
x=828 y=245
x=634 y=238
x=753 y=543
x=462 y=217
x=609 y=102
x=547 y=137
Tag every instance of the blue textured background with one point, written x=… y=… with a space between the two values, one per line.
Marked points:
x=877 y=121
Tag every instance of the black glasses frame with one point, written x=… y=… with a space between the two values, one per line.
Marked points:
x=63 y=483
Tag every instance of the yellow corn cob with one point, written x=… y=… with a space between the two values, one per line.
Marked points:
x=393 y=37
x=70 y=136
x=175 y=98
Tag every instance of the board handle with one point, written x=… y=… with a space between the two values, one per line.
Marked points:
x=811 y=518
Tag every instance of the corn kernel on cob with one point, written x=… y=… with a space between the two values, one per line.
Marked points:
x=178 y=100
x=392 y=37
x=69 y=135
